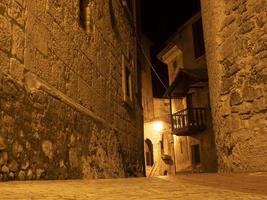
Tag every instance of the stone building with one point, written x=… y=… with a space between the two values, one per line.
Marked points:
x=235 y=46
x=235 y=35
x=193 y=137
x=159 y=152
x=69 y=95
x=156 y=120
x=147 y=99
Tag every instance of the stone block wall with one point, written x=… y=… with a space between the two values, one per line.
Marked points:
x=146 y=79
x=236 y=48
x=62 y=113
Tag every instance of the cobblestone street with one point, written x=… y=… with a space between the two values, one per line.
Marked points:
x=197 y=186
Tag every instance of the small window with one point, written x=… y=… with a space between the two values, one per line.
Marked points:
x=198 y=38
x=130 y=5
x=127 y=82
x=162 y=146
x=86 y=15
x=149 y=152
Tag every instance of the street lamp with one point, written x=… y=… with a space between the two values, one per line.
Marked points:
x=158 y=126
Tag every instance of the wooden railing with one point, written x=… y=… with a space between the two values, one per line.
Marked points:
x=189 y=120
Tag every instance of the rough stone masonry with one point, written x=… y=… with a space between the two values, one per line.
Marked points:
x=62 y=113
x=236 y=43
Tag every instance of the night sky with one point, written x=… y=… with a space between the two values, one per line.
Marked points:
x=160 y=19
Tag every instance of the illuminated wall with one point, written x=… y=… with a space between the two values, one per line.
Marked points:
x=64 y=111
x=235 y=37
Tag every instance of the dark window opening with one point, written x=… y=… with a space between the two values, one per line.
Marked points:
x=139 y=81
x=199 y=45
x=195 y=154
x=128 y=81
x=82 y=14
x=161 y=147
x=86 y=20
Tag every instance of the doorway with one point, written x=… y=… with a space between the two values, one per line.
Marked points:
x=195 y=154
x=149 y=152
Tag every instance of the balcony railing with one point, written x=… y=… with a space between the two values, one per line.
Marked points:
x=189 y=121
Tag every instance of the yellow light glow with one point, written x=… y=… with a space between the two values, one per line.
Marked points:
x=158 y=126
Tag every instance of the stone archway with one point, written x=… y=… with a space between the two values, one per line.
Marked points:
x=149 y=152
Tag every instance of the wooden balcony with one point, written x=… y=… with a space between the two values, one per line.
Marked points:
x=189 y=121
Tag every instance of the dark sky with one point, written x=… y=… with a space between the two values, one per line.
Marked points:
x=160 y=19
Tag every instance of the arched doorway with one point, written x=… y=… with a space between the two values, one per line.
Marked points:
x=149 y=152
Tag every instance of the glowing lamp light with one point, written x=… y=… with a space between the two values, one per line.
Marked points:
x=158 y=126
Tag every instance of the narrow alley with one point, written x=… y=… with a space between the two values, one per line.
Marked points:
x=133 y=99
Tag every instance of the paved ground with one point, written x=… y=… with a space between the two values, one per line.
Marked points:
x=191 y=186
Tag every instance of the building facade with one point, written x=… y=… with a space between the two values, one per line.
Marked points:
x=235 y=51
x=159 y=152
x=157 y=147
x=192 y=129
x=69 y=90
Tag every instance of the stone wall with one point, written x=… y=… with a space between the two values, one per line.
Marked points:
x=146 y=79
x=61 y=99
x=235 y=37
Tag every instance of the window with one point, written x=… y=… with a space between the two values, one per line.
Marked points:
x=198 y=38
x=86 y=15
x=162 y=144
x=127 y=82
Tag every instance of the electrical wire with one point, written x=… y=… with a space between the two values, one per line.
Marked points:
x=151 y=66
